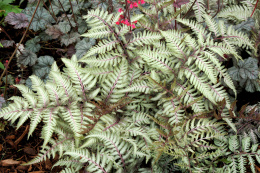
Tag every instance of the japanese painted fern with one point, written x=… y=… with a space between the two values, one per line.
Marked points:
x=106 y=109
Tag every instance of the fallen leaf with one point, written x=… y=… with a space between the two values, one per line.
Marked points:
x=1 y=147
x=21 y=167
x=48 y=164
x=9 y=162
x=10 y=137
x=258 y=169
x=12 y=144
x=29 y=150
x=37 y=172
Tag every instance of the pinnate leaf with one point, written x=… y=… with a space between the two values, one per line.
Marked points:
x=19 y=20
x=27 y=58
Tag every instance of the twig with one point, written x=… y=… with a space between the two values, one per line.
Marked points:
x=65 y=14
x=189 y=8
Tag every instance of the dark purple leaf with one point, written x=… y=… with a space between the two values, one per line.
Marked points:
x=19 y=20
x=53 y=31
x=178 y=3
x=71 y=50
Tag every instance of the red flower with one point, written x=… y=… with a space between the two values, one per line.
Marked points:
x=6 y=63
x=131 y=6
x=120 y=10
x=135 y=4
x=133 y=26
x=117 y=22
x=17 y=80
x=135 y=21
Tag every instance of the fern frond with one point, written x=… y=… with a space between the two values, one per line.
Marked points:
x=236 y=13
x=144 y=38
x=102 y=47
x=103 y=60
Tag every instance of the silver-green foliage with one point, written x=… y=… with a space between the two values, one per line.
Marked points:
x=66 y=105
x=100 y=113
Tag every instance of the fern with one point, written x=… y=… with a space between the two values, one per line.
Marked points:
x=139 y=94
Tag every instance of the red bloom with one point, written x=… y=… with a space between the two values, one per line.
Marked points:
x=122 y=19
x=17 y=80
x=135 y=4
x=6 y=63
x=126 y=22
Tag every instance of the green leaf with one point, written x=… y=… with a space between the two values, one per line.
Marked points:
x=64 y=26
x=1 y=45
x=43 y=66
x=33 y=44
x=56 y=7
x=6 y=8
x=252 y=85
x=2 y=65
x=41 y=19
x=83 y=46
x=67 y=39
x=234 y=73
x=248 y=68
x=10 y=79
x=27 y=58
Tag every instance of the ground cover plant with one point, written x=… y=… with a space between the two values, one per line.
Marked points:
x=137 y=86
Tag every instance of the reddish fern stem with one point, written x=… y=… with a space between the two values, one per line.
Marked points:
x=254 y=8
